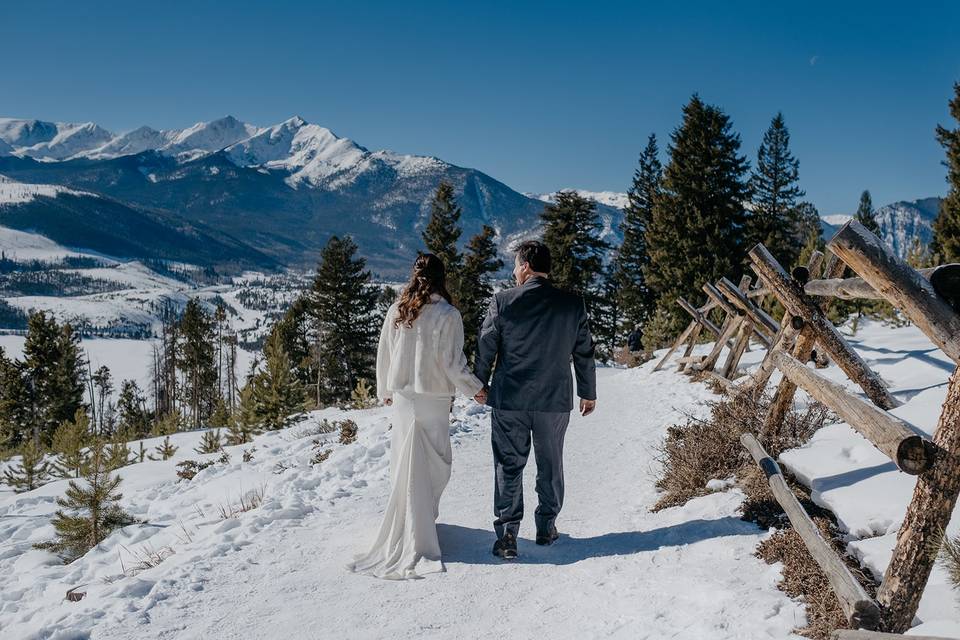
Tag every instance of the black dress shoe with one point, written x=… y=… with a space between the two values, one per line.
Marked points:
x=506 y=547
x=548 y=538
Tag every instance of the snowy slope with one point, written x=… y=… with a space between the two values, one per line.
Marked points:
x=277 y=571
x=14 y=192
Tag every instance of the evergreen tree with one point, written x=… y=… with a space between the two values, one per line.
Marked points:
x=606 y=317
x=811 y=231
x=244 y=427
x=299 y=340
x=210 y=442
x=571 y=230
x=17 y=415
x=221 y=417
x=946 y=228
x=442 y=233
x=635 y=300
x=53 y=369
x=103 y=385
x=30 y=472
x=168 y=424
x=69 y=443
x=132 y=409
x=165 y=450
x=865 y=213
x=481 y=262
x=94 y=511
x=774 y=218
x=276 y=398
x=118 y=454
x=918 y=255
x=343 y=304
x=197 y=361
x=695 y=233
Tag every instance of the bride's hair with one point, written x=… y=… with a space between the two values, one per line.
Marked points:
x=429 y=277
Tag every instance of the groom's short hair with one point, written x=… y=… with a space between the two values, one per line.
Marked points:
x=536 y=254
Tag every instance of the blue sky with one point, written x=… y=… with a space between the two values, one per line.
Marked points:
x=540 y=95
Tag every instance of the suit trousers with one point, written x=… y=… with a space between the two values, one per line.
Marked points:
x=511 y=434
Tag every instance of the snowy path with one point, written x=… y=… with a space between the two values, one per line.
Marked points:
x=620 y=571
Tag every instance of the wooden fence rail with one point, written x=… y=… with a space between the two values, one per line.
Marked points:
x=859 y=608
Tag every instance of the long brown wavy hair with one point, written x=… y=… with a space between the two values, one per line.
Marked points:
x=429 y=277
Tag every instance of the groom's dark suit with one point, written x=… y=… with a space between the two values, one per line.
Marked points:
x=532 y=332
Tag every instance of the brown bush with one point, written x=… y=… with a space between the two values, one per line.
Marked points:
x=702 y=449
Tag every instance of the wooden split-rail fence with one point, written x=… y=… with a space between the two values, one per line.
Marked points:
x=930 y=299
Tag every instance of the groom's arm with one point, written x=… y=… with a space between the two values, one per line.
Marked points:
x=584 y=365
x=488 y=343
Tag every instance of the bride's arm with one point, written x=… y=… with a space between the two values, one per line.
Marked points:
x=384 y=349
x=452 y=359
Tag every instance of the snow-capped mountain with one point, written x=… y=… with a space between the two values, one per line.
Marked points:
x=899 y=222
x=284 y=189
x=52 y=141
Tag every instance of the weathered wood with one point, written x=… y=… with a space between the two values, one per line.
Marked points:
x=733 y=357
x=723 y=382
x=900 y=284
x=714 y=294
x=691 y=343
x=861 y=634
x=934 y=499
x=886 y=432
x=758 y=316
x=858 y=288
x=676 y=345
x=858 y=607
x=790 y=326
x=690 y=359
x=797 y=303
x=730 y=328
x=699 y=317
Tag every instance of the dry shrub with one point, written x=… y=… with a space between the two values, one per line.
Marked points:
x=700 y=450
x=627 y=358
x=348 y=431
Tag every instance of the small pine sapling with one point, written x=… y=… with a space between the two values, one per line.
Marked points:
x=30 y=472
x=69 y=443
x=210 y=443
x=94 y=510
x=165 y=450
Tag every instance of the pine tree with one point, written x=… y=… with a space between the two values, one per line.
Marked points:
x=362 y=396
x=132 y=410
x=481 y=262
x=94 y=511
x=343 y=304
x=865 y=215
x=221 y=417
x=165 y=450
x=69 y=443
x=635 y=300
x=276 y=398
x=244 y=427
x=695 y=233
x=168 y=424
x=810 y=230
x=17 y=414
x=118 y=454
x=210 y=442
x=946 y=228
x=197 y=360
x=571 y=230
x=773 y=220
x=53 y=370
x=442 y=233
x=30 y=472
x=103 y=384
x=297 y=333
x=918 y=255
x=606 y=318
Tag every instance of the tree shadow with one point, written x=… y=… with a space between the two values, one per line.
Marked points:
x=467 y=545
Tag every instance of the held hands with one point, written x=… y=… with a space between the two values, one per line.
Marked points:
x=481 y=397
x=587 y=406
x=388 y=402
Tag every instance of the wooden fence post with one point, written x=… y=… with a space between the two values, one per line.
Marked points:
x=795 y=301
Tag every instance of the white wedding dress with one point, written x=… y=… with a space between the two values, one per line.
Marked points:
x=418 y=368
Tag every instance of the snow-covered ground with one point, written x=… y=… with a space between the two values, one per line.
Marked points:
x=618 y=571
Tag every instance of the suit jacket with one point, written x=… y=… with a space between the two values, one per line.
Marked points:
x=532 y=331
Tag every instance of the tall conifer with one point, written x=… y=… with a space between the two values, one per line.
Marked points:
x=774 y=218
x=442 y=233
x=480 y=263
x=695 y=234
x=635 y=300
x=865 y=214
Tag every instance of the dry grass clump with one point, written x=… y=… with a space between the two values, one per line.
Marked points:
x=700 y=450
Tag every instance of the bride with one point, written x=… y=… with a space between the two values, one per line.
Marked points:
x=420 y=365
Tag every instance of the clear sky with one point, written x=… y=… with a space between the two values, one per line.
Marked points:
x=541 y=95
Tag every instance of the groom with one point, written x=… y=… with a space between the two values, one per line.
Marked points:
x=532 y=331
